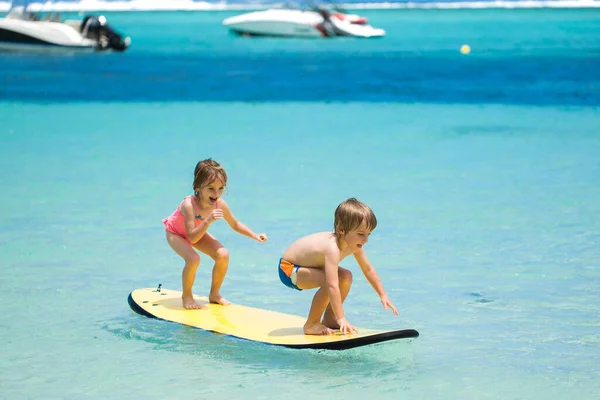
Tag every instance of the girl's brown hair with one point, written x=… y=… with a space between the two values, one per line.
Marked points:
x=208 y=171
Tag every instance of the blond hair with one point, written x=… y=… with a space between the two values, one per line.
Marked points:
x=206 y=172
x=350 y=214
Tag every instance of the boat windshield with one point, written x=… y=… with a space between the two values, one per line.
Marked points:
x=19 y=10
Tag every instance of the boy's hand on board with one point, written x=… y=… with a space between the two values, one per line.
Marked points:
x=345 y=326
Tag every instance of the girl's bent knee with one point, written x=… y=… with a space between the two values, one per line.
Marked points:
x=193 y=261
x=222 y=254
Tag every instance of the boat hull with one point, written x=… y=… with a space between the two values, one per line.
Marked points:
x=301 y=23
x=31 y=35
x=26 y=34
x=276 y=23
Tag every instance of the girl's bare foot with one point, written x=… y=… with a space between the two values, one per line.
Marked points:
x=316 y=328
x=219 y=300
x=190 y=303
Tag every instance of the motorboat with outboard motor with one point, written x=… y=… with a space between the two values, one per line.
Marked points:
x=312 y=22
x=21 y=30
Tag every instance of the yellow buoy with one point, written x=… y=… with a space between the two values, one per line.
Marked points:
x=465 y=49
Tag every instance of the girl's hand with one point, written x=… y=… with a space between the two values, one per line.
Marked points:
x=387 y=303
x=215 y=214
x=260 y=238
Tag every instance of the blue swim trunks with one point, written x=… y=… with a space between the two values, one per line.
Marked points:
x=288 y=273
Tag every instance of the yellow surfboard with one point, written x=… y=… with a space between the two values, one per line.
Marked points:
x=250 y=323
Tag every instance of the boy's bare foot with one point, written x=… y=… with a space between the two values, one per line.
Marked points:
x=317 y=329
x=219 y=300
x=190 y=303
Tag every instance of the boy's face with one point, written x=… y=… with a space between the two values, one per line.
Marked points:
x=211 y=192
x=358 y=237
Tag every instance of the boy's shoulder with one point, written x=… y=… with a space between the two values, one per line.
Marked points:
x=324 y=242
x=319 y=236
x=317 y=240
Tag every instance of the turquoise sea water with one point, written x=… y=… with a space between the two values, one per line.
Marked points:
x=483 y=171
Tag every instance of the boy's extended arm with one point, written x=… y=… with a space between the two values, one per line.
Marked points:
x=371 y=275
x=369 y=272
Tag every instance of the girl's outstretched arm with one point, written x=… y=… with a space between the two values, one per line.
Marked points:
x=238 y=226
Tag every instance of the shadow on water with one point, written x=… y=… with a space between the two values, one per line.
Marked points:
x=369 y=361
x=479 y=298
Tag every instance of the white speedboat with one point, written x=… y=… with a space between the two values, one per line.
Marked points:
x=22 y=30
x=315 y=22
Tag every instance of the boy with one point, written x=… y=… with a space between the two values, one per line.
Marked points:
x=312 y=262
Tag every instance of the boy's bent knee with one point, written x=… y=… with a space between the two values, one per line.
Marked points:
x=345 y=276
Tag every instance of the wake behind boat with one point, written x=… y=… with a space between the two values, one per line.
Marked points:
x=313 y=22
x=22 y=30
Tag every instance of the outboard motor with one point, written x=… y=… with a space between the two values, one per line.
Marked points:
x=327 y=27
x=96 y=28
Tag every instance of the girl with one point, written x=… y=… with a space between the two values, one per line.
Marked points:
x=187 y=229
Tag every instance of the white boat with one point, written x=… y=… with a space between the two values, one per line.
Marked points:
x=22 y=30
x=314 y=22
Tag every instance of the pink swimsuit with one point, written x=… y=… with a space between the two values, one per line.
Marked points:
x=175 y=223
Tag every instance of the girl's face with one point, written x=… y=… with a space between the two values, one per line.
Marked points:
x=357 y=238
x=211 y=192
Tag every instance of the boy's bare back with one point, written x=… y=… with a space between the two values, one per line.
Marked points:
x=310 y=250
